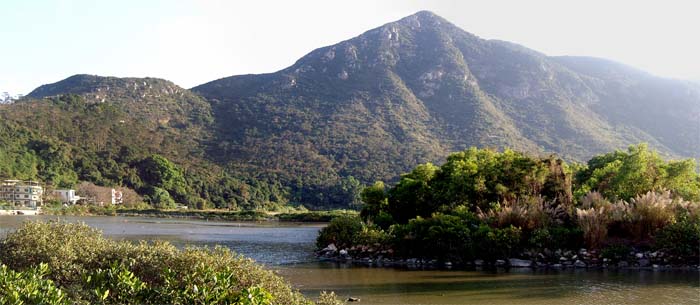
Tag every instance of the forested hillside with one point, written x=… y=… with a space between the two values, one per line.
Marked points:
x=146 y=134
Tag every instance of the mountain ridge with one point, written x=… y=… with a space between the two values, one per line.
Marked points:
x=502 y=82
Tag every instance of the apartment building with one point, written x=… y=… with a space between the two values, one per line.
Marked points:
x=22 y=193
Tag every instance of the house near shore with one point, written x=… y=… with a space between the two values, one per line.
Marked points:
x=66 y=196
x=22 y=193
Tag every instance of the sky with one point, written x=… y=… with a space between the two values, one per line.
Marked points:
x=191 y=42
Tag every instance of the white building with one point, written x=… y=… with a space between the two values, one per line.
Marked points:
x=22 y=193
x=66 y=196
x=117 y=197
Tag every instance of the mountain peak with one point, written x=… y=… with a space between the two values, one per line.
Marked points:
x=427 y=16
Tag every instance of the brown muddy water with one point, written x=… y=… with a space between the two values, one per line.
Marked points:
x=287 y=248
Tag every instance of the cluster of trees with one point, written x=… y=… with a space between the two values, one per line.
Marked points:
x=501 y=203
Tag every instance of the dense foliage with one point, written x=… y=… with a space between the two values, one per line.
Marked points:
x=61 y=263
x=483 y=204
x=29 y=287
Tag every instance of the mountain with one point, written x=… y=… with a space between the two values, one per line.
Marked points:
x=368 y=108
x=413 y=90
x=145 y=133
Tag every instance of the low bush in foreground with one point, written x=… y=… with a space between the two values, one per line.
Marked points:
x=75 y=264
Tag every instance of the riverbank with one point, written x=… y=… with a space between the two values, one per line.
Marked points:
x=215 y=215
x=19 y=212
x=631 y=259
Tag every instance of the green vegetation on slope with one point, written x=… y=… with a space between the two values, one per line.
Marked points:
x=497 y=205
x=66 y=139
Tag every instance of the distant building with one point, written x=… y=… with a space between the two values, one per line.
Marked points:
x=22 y=193
x=66 y=196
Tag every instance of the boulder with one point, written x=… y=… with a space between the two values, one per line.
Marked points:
x=644 y=262
x=580 y=264
x=521 y=263
x=330 y=248
x=623 y=264
x=479 y=262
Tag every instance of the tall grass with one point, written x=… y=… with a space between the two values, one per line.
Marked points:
x=528 y=213
x=637 y=219
x=594 y=223
x=650 y=212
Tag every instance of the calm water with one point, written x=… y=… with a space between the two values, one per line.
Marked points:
x=287 y=248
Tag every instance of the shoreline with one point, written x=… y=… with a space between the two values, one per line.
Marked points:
x=217 y=215
x=559 y=260
x=417 y=264
x=16 y=212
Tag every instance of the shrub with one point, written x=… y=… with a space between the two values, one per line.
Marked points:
x=615 y=253
x=556 y=238
x=497 y=243
x=383 y=220
x=116 y=285
x=30 y=287
x=371 y=235
x=566 y=238
x=72 y=250
x=341 y=231
x=69 y=249
x=681 y=238
x=541 y=239
x=329 y=298
x=441 y=236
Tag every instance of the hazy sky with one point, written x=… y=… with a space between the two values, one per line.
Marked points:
x=192 y=42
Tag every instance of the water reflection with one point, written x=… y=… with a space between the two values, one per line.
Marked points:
x=516 y=286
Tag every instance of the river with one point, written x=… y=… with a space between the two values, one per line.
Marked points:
x=287 y=248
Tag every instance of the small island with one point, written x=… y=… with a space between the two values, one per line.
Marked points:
x=624 y=209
